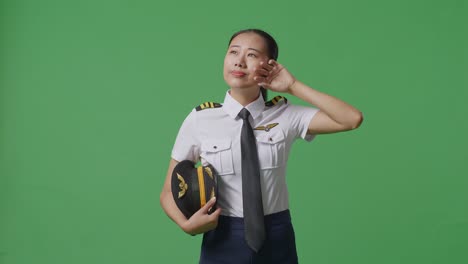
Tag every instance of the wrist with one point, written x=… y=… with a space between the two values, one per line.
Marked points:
x=293 y=87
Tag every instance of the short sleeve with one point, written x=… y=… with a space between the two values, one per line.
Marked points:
x=186 y=146
x=299 y=118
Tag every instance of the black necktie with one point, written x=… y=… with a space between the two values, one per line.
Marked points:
x=251 y=190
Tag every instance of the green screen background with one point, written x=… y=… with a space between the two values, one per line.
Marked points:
x=92 y=94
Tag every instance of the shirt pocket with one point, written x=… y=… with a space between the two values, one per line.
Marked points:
x=271 y=149
x=218 y=153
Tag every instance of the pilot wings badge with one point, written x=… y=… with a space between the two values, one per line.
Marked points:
x=267 y=127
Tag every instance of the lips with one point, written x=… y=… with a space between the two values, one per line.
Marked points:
x=238 y=73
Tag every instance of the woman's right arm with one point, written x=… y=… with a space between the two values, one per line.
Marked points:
x=200 y=222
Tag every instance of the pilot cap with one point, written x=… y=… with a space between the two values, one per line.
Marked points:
x=192 y=187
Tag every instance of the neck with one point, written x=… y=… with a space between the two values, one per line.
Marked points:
x=245 y=96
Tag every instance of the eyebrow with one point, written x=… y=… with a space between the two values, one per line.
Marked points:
x=238 y=46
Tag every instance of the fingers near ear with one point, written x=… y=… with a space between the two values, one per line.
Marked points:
x=263 y=72
x=266 y=65
x=259 y=79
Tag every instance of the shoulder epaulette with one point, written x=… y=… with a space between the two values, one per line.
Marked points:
x=207 y=105
x=276 y=100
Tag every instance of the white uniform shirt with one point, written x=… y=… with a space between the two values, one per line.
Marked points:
x=213 y=135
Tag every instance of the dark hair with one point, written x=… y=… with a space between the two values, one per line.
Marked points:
x=271 y=44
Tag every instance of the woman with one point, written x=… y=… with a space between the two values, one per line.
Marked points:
x=218 y=134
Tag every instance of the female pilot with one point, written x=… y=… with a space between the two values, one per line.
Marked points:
x=249 y=137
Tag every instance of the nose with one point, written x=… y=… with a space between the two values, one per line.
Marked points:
x=240 y=62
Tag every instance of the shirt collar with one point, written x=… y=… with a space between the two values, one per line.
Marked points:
x=232 y=107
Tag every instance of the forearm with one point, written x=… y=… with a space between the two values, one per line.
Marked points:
x=171 y=209
x=338 y=110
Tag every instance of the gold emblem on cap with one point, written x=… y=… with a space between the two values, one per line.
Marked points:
x=267 y=127
x=182 y=185
x=209 y=172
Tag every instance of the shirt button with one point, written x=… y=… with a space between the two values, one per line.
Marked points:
x=215 y=147
x=270 y=139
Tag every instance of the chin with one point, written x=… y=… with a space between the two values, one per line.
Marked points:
x=240 y=83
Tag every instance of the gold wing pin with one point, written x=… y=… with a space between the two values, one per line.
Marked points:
x=182 y=185
x=267 y=127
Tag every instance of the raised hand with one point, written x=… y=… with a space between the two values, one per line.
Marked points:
x=274 y=76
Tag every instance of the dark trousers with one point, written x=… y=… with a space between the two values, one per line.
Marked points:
x=226 y=243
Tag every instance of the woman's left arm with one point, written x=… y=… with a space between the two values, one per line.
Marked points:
x=334 y=116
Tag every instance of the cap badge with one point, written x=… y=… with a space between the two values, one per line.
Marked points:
x=209 y=172
x=182 y=185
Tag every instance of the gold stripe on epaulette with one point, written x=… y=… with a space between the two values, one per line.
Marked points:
x=208 y=105
x=276 y=100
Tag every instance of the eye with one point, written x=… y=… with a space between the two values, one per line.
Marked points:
x=252 y=55
x=233 y=52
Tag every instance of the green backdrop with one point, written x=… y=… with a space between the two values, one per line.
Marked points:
x=92 y=94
